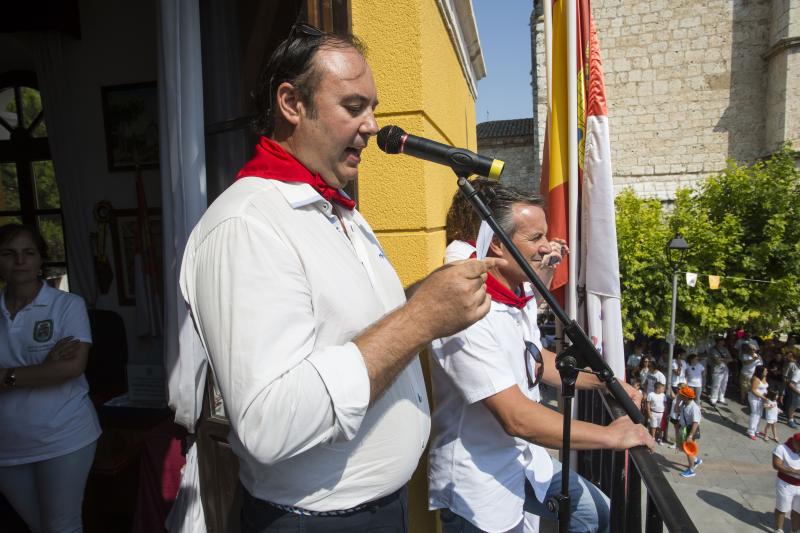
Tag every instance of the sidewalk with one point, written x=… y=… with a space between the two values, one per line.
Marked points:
x=734 y=489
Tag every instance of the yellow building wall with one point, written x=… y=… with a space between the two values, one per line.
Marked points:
x=422 y=89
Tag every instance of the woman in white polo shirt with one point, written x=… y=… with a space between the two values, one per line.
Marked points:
x=49 y=426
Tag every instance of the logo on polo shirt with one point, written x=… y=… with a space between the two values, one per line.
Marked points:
x=43 y=330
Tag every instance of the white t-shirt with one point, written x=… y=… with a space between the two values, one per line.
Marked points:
x=657 y=401
x=39 y=423
x=279 y=281
x=656 y=376
x=789 y=457
x=694 y=375
x=793 y=376
x=476 y=469
x=748 y=369
x=771 y=413
x=678 y=372
x=690 y=413
x=718 y=355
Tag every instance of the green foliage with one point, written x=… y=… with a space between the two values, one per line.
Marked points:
x=739 y=224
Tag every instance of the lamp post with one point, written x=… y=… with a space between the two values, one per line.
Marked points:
x=676 y=251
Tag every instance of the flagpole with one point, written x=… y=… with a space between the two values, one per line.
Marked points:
x=572 y=129
x=548 y=54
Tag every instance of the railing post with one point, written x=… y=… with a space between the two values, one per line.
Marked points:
x=633 y=520
x=654 y=523
x=618 y=503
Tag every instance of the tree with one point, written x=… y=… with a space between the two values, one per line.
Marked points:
x=740 y=225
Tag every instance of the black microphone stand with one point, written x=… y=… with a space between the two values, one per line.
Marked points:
x=569 y=362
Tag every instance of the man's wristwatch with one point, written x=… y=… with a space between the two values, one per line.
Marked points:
x=11 y=378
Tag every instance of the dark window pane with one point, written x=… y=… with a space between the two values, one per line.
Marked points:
x=10 y=220
x=53 y=232
x=9 y=187
x=31 y=105
x=44 y=177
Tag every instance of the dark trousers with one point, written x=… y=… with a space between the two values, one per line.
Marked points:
x=387 y=515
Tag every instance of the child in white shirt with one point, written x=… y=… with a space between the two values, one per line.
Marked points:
x=771 y=411
x=656 y=402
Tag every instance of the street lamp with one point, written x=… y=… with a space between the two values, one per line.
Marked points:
x=676 y=251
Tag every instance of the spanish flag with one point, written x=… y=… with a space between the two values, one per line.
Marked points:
x=594 y=241
x=555 y=161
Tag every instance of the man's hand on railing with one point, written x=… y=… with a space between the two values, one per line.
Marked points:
x=626 y=434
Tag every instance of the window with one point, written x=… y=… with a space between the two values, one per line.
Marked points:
x=28 y=188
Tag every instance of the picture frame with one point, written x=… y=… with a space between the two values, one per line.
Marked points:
x=123 y=226
x=130 y=117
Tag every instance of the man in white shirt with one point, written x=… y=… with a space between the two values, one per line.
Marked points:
x=488 y=470
x=304 y=321
x=719 y=357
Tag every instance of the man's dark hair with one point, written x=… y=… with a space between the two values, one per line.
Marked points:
x=463 y=222
x=293 y=61
x=11 y=231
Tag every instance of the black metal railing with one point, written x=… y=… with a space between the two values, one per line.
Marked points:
x=621 y=474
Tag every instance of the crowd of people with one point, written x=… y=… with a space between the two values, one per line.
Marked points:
x=764 y=377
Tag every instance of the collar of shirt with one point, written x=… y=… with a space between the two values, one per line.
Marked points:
x=300 y=195
x=42 y=299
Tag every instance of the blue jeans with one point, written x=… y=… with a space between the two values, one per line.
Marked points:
x=589 y=506
x=48 y=494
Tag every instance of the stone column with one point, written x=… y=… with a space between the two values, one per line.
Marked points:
x=783 y=86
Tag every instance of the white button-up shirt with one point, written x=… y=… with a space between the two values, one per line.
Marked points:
x=476 y=469
x=278 y=285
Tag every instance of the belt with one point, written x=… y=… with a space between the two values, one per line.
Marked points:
x=374 y=504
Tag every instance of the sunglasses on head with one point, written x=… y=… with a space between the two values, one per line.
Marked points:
x=298 y=31
x=534 y=364
x=302 y=29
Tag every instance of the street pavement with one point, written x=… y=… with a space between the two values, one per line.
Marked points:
x=734 y=489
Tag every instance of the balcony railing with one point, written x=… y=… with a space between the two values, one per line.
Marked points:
x=621 y=474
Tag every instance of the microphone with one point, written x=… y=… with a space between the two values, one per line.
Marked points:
x=393 y=140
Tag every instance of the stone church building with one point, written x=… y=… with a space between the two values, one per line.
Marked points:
x=689 y=85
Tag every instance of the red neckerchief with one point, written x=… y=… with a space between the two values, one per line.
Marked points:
x=502 y=294
x=499 y=292
x=273 y=162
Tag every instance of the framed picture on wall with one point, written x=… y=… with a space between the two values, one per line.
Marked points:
x=130 y=115
x=123 y=228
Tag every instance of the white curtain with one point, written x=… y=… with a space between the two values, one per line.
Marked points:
x=183 y=192
x=68 y=147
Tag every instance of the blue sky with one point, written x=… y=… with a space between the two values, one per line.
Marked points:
x=503 y=27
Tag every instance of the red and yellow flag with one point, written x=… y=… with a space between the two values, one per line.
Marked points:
x=596 y=248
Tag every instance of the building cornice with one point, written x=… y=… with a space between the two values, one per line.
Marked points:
x=460 y=22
